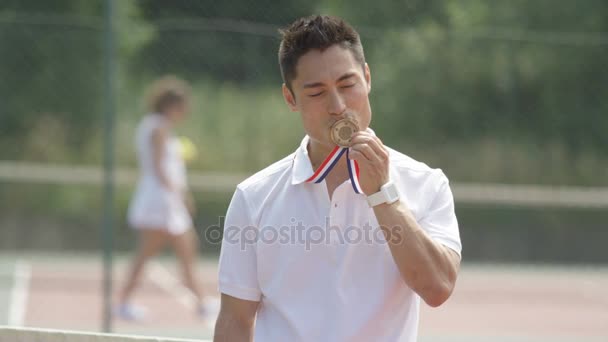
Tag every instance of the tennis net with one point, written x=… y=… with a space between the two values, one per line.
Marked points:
x=18 y=334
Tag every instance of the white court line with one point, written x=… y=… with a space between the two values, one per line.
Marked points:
x=19 y=293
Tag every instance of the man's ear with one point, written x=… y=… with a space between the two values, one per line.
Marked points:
x=290 y=99
x=368 y=78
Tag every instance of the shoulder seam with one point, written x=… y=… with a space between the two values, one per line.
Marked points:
x=269 y=171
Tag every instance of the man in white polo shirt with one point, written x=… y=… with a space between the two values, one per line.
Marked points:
x=335 y=243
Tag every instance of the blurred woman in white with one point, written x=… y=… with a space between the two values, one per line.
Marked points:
x=161 y=207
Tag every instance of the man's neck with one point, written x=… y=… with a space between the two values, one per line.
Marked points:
x=317 y=154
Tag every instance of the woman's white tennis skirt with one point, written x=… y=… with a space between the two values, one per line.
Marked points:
x=157 y=208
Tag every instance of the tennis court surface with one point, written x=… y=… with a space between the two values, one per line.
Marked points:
x=490 y=303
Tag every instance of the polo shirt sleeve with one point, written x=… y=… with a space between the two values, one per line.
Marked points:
x=238 y=260
x=440 y=220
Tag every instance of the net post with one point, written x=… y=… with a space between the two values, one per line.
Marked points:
x=108 y=153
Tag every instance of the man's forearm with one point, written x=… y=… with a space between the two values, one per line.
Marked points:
x=426 y=266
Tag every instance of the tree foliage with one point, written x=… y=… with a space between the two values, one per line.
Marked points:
x=443 y=71
x=520 y=70
x=224 y=40
x=51 y=71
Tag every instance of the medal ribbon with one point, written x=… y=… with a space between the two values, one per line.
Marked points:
x=331 y=161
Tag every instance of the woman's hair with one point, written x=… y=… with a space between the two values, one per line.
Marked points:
x=165 y=92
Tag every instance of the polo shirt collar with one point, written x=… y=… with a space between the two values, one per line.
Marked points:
x=302 y=167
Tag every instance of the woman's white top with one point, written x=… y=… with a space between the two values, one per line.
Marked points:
x=153 y=206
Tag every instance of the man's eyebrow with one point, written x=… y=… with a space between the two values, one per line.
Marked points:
x=320 y=84
x=346 y=76
x=312 y=85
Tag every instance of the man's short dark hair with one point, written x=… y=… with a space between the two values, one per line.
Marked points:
x=317 y=32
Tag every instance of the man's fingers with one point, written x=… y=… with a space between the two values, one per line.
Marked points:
x=366 y=151
x=357 y=156
x=369 y=147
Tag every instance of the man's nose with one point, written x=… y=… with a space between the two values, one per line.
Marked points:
x=336 y=104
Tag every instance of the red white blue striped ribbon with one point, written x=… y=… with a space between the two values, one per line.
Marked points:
x=331 y=161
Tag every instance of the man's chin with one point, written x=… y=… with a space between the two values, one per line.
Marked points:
x=323 y=141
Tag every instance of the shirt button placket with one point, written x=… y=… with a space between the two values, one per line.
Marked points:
x=334 y=219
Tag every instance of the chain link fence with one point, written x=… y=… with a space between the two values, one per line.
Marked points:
x=511 y=94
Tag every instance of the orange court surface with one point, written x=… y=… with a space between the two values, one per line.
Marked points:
x=490 y=302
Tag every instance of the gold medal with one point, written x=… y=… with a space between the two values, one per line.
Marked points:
x=342 y=131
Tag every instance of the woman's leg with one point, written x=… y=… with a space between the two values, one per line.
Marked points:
x=151 y=241
x=186 y=249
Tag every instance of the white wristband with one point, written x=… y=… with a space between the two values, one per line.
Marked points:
x=388 y=194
